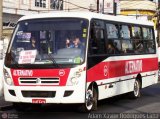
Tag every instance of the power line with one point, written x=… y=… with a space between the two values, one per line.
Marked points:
x=78 y=7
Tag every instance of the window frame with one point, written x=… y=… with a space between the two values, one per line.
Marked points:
x=131 y=38
x=150 y=40
x=90 y=37
x=59 y=7
x=40 y=3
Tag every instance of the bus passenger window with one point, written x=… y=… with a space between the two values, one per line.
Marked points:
x=147 y=34
x=94 y=47
x=127 y=46
x=151 y=48
x=124 y=32
x=112 y=31
x=149 y=45
x=110 y=48
x=136 y=32
x=96 y=42
x=138 y=45
x=113 y=47
x=138 y=41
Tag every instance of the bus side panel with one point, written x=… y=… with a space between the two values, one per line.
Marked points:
x=115 y=77
x=149 y=79
x=117 y=88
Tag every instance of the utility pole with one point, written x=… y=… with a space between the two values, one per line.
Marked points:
x=1 y=20
x=97 y=6
x=114 y=8
x=158 y=23
x=103 y=7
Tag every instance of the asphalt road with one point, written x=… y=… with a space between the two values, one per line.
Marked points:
x=113 y=108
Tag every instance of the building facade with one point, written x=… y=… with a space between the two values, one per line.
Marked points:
x=143 y=10
x=14 y=9
x=139 y=9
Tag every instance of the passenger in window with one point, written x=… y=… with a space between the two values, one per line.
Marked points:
x=150 y=48
x=33 y=42
x=34 y=46
x=110 y=48
x=76 y=43
x=124 y=47
x=138 y=46
x=68 y=43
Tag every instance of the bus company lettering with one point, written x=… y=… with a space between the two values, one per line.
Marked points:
x=133 y=66
x=23 y=73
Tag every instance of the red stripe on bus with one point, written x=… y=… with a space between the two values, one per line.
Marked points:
x=62 y=74
x=111 y=69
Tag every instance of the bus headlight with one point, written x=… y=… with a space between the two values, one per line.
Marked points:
x=7 y=77
x=9 y=81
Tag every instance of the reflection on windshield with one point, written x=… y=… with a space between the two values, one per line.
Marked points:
x=60 y=41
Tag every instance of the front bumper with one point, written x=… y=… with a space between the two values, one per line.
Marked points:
x=75 y=95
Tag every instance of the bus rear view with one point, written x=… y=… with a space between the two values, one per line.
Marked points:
x=45 y=61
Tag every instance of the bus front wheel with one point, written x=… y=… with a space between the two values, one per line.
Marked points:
x=90 y=101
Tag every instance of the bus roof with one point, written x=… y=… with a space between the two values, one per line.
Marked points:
x=87 y=15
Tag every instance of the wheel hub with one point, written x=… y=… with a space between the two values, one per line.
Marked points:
x=89 y=99
x=136 y=88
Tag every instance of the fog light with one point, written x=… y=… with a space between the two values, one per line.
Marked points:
x=67 y=93
x=12 y=92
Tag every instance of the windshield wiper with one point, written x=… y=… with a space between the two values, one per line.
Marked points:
x=53 y=60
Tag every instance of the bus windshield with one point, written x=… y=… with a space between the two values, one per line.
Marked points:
x=48 y=41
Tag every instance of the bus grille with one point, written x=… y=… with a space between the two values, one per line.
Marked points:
x=39 y=81
x=42 y=94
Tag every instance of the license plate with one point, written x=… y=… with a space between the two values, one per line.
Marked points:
x=39 y=101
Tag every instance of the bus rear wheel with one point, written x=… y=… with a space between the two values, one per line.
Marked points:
x=90 y=101
x=136 y=90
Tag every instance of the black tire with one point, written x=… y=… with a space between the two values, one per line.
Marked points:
x=90 y=101
x=136 y=93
